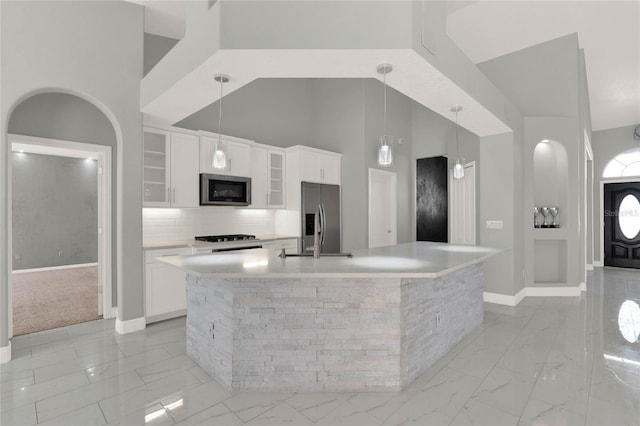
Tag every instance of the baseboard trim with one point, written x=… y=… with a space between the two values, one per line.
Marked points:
x=130 y=326
x=168 y=315
x=589 y=267
x=53 y=268
x=597 y=263
x=554 y=291
x=5 y=353
x=112 y=313
x=505 y=299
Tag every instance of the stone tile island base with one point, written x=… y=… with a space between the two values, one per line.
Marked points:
x=328 y=334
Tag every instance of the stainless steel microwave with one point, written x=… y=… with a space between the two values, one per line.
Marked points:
x=221 y=190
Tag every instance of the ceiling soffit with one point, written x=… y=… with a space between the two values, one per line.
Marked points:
x=320 y=40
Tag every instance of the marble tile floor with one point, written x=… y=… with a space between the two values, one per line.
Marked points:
x=548 y=361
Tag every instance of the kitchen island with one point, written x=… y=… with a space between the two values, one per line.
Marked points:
x=373 y=322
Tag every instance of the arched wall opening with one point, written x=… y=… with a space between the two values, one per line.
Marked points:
x=55 y=116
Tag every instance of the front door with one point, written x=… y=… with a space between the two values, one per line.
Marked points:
x=622 y=224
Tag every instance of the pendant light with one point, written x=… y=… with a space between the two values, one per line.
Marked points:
x=219 y=160
x=458 y=167
x=385 y=153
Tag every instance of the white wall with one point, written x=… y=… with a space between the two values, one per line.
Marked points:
x=92 y=50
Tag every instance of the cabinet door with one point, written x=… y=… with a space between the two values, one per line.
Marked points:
x=165 y=289
x=238 y=157
x=259 y=178
x=156 y=168
x=329 y=168
x=207 y=147
x=276 y=180
x=309 y=168
x=185 y=152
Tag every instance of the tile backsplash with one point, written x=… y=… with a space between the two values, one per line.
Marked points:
x=184 y=224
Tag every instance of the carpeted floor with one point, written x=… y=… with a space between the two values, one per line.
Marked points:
x=52 y=299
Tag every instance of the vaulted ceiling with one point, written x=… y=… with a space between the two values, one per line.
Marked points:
x=608 y=31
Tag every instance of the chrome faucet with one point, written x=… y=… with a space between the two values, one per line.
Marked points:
x=315 y=248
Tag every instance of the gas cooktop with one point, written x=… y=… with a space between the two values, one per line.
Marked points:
x=223 y=238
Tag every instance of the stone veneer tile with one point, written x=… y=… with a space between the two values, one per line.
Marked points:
x=357 y=334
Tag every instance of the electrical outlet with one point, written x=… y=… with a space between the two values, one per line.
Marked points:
x=17 y=256
x=59 y=253
x=438 y=319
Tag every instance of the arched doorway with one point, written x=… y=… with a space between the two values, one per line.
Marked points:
x=53 y=126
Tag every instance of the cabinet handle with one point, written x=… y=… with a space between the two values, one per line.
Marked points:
x=174 y=195
x=168 y=194
x=266 y=196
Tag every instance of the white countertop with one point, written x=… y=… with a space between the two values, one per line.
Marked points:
x=410 y=260
x=152 y=245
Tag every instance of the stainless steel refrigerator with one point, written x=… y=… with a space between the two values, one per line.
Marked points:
x=324 y=200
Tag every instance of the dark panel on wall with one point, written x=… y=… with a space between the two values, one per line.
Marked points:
x=432 y=200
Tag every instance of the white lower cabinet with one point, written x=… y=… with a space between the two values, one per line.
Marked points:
x=165 y=286
x=290 y=245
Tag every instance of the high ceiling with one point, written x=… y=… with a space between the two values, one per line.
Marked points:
x=608 y=31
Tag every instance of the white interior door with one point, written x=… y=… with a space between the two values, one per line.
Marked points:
x=382 y=208
x=463 y=207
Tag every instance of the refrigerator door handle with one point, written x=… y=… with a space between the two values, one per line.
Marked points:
x=319 y=230
x=323 y=224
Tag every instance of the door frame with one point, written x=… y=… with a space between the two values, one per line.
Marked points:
x=393 y=206
x=102 y=153
x=469 y=165
x=629 y=179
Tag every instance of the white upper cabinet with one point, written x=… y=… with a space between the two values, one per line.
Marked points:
x=259 y=181
x=170 y=169
x=185 y=152
x=267 y=177
x=237 y=152
x=276 y=179
x=156 y=168
x=317 y=165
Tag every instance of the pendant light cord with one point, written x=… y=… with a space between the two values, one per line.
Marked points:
x=220 y=116
x=384 y=123
x=457 y=141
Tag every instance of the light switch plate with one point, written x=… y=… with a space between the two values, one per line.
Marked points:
x=494 y=224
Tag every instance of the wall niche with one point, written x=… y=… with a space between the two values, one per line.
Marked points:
x=550 y=179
